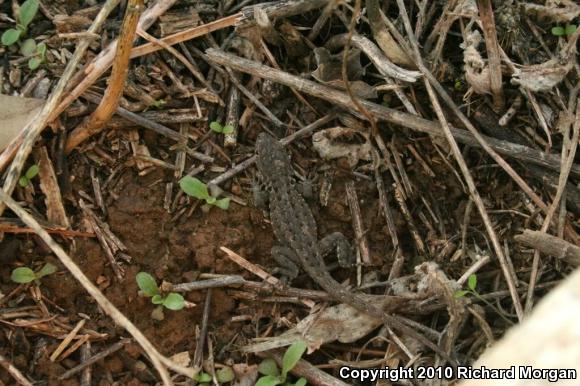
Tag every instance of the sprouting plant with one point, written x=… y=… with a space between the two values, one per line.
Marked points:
x=35 y=52
x=29 y=175
x=223 y=375
x=195 y=188
x=26 y=275
x=272 y=375
x=222 y=129
x=471 y=285
x=26 y=14
x=564 y=31
x=158 y=103
x=471 y=290
x=149 y=288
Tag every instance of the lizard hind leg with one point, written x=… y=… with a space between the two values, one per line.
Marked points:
x=288 y=262
x=337 y=242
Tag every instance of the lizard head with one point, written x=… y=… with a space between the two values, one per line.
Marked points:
x=271 y=155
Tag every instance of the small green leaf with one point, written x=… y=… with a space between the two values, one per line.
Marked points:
x=211 y=200
x=10 y=36
x=570 y=29
x=157 y=299
x=27 y=12
x=558 y=31
x=472 y=282
x=194 y=187
x=216 y=126
x=269 y=367
x=301 y=382
x=23 y=275
x=174 y=302
x=460 y=294
x=34 y=63
x=204 y=377
x=28 y=47
x=225 y=374
x=224 y=203
x=48 y=269
x=32 y=172
x=269 y=380
x=23 y=181
x=147 y=284
x=292 y=356
x=41 y=49
x=228 y=129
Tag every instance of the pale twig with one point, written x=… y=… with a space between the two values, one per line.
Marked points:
x=22 y=146
x=12 y=370
x=492 y=47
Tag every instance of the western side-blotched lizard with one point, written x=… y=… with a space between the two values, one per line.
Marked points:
x=295 y=228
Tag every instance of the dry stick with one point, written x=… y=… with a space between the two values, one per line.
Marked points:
x=96 y=122
x=359 y=107
x=158 y=360
x=492 y=46
x=88 y=76
x=12 y=370
x=551 y=245
x=21 y=146
x=87 y=374
x=567 y=161
x=357 y=223
x=522 y=153
x=95 y=358
x=462 y=166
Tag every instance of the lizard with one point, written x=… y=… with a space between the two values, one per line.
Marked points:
x=295 y=228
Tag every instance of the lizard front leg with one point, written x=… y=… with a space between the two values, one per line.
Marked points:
x=337 y=242
x=288 y=262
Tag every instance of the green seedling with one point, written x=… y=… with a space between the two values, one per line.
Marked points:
x=271 y=373
x=23 y=275
x=218 y=128
x=564 y=31
x=35 y=52
x=25 y=15
x=471 y=290
x=195 y=188
x=223 y=375
x=29 y=175
x=148 y=287
x=158 y=103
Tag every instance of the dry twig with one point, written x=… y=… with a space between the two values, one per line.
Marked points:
x=96 y=122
